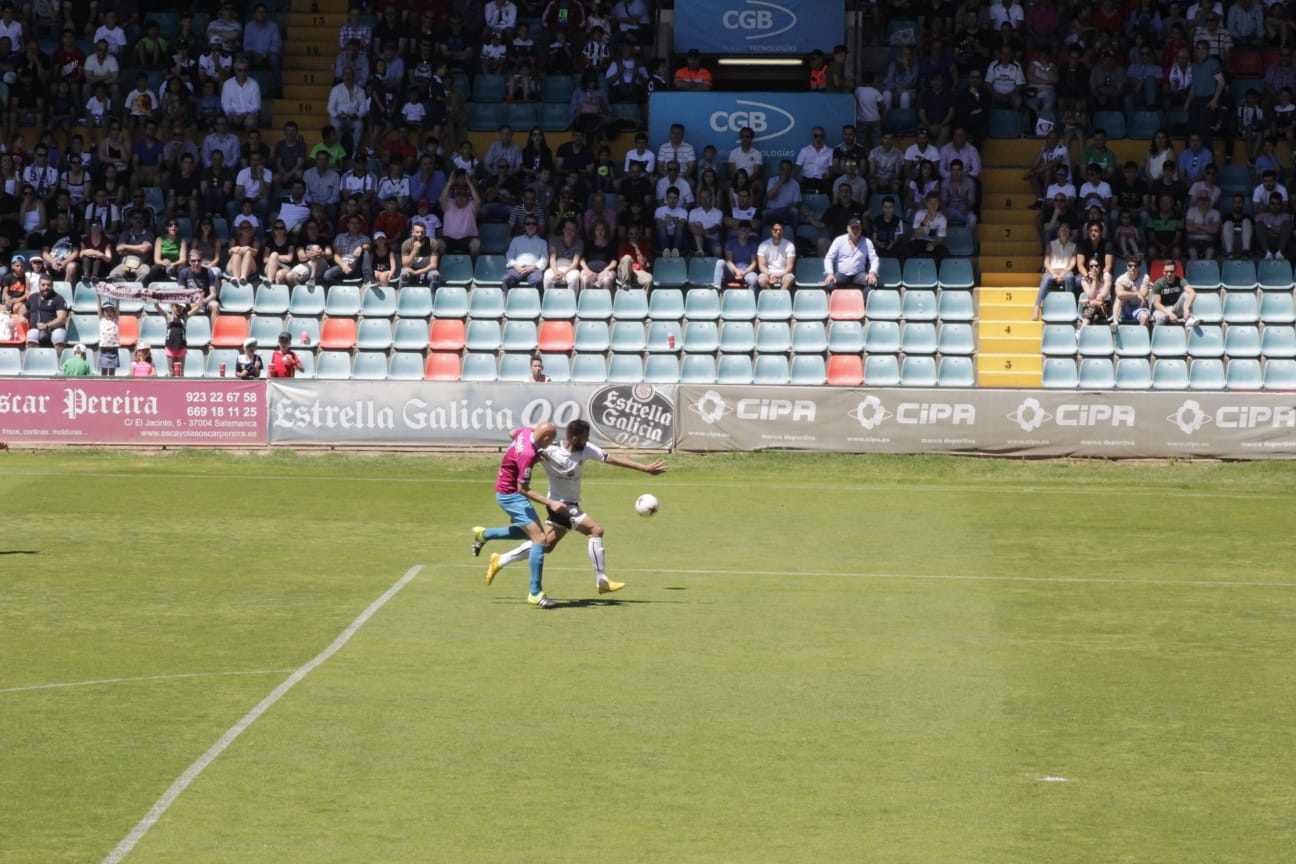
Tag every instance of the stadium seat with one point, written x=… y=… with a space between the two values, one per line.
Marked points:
x=1280 y=374
x=266 y=329
x=625 y=368
x=956 y=338
x=378 y=301
x=10 y=362
x=485 y=302
x=451 y=301
x=846 y=337
x=882 y=337
x=670 y=273
x=218 y=357
x=153 y=331
x=559 y=304
x=845 y=370
x=734 y=369
x=956 y=274
x=1059 y=308
x=445 y=334
x=808 y=369
x=554 y=117
x=773 y=337
x=337 y=334
x=918 y=337
x=918 y=305
x=698 y=369
x=522 y=115
x=342 y=300
x=846 y=304
x=1133 y=373
x=229 y=331
x=889 y=273
x=809 y=272
x=236 y=299
x=1206 y=340
x=1097 y=373
x=1058 y=340
x=405 y=366
x=557 y=367
x=1243 y=373
x=1132 y=340
x=306 y=300
x=556 y=336
x=1202 y=274
x=128 y=331
x=415 y=301
x=956 y=306
x=515 y=367
x=665 y=337
x=1242 y=340
x=1274 y=275
x=85 y=329
x=774 y=306
x=40 y=362
x=1060 y=373
x=904 y=121
x=478 y=366
x=960 y=242
x=1277 y=308
x=333 y=364
x=369 y=366
x=494 y=237
x=522 y=303
x=630 y=305
x=702 y=304
x=483 y=336
x=956 y=372
x=1143 y=124
x=456 y=269
x=483 y=116
x=810 y=305
x=701 y=270
x=738 y=305
x=666 y=304
x=517 y=336
x=1239 y=308
x=882 y=370
x=1208 y=308
x=489 y=270
x=271 y=300
x=1095 y=341
x=1235 y=180
x=1278 y=341
x=1239 y=275
x=919 y=273
x=628 y=336
x=1206 y=373
x=737 y=337
x=1169 y=340
x=412 y=335
x=1112 y=121
x=1005 y=123
x=771 y=369
x=883 y=304
x=589 y=369
x=701 y=337
x=662 y=369
x=591 y=337
x=918 y=371
x=198 y=331
x=594 y=304
x=809 y=337
x=1170 y=373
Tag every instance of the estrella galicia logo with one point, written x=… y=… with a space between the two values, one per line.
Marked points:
x=633 y=415
x=1190 y=417
x=761 y=20
x=765 y=120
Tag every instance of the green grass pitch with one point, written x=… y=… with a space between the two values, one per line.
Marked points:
x=816 y=659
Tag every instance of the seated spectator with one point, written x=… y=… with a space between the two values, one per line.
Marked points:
x=61 y=249
x=1165 y=230
x=704 y=224
x=1127 y=237
x=419 y=258
x=675 y=180
x=350 y=254
x=852 y=259
x=1095 y=295
x=528 y=256
x=677 y=150
x=738 y=266
x=901 y=85
x=152 y=51
x=1107 y=85
x=227 y=28
x=1059 y=268
x=589 y=108
x=1203 y=228
x=693 y=75
x=1237 y=230
x=917 y=189
x=776 y=259
x=1273 y=228
x=460 y=202
x=856 y=186
x=886 y=166
x=599 y=263
x=936 y=109
x=958 y=197
x=782 y=197
x=1007 y=80
x=1132 y=304
x=627 y=77
x=566 y=255
x=112 y=33
x=1095 y=191
x=47 y=314
x=241 y=98
x=263 y=45
x=1172 y=298
x=347 y=108
x=929 y=229
x=635 y=259
x=1143 y=81
x=672 y=224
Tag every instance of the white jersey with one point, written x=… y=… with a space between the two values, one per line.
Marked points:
x=564 y=469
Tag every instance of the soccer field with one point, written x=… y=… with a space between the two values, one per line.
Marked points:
x=816 y=659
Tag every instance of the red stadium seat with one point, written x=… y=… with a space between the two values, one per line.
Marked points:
x=556 y=337
x=128 y=329
x=228 y=331
x=442 y=366
x=339 y=334
x=846 y=304
x=447 y=334
x=845 y=370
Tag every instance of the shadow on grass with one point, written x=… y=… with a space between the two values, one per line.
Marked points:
x=596 y=602
x=18 y=552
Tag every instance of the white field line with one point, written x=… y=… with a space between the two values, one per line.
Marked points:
x=936 y=577
x=844 y=486
x=191 y=773
x=103 y=681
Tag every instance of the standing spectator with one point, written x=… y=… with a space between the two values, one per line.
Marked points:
x=285 y=363
x=814 y=163
x=1207 y=91
x=869 y=108
x=263 y=45
x=460 y=202
x=289 y=162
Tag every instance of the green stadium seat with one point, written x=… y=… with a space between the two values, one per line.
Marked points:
x=456 y=269
x=1005 y=123
x=918 y=371
x=734 y=369
x=904 y=121
x=1235 y=180
x=515 y=367
x=405 y=366
x=1169 y=340
x=1203 y=274
x=1059 y=308
x=415 y=301
x=881 y=337
x=630 y=305
x=494 y=237
x=517 y=336
x=701 y=270
x=809 y=370
x=84 y=299
x=265 y=329
x=1206 y=341
x=1058 y=340
x=882 y=370
x=198 y=332
x=665 y=337
x=625 y=368
x=557 y=367
x=489 y=270
x=1239 y=275
x=369 y=366
x=956 y=274
x=1170 y=373
x=701 y=337
x=1112 y=121
x=450 y=301
x=846 y=337
x=1280 y=374
x=10 y=362
x=1059 y=373
x=662 y=369
x=809 y=272
x=956 y=372
x=810 y=305
x=774 y=305
x=591 y=337
x=670 y=273
x=771 y=369
x=333 y=364
x=737 y=337
x=1274 y=275
x=40 y=362
x=1277 y=308
x=482 y=335
x=1239 y=308
x=919 y=273
x=628 y=336
x=1243 y=373
x=236 y=299
x=960 y=242
x=702 y=304
x=1278 y=341
x=589 y=369
x=83 y=329
x=594 y=304
x=698 y=369
x=1206 y=373
x=956 y=338
x=483 y=116
x=479 y=366
x=343 y=301
x=1132 y=340
x=889 y=273
x=554 y=117
x=809 y=337
x=918 y=337
x=1208 y=308
x=1097 y=373
x=1143 y=124
x=1133 y=373
x=845 y=370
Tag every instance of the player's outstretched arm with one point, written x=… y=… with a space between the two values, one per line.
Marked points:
x=656 y=467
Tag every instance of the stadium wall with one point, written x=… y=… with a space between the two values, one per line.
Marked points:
x=695 y=418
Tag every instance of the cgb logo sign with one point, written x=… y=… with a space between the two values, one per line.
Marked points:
x=766 y=120
x=759 y=20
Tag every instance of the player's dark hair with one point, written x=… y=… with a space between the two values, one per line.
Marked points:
x=578 y=427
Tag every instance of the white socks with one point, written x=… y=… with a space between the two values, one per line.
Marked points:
x=596 y=558
x=516 y=554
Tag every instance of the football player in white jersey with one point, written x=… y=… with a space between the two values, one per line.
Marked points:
x=563 y=463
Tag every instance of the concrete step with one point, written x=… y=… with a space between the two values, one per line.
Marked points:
x=993 y=244
x=997 y=216
x=295 y=93
x=992 y=362
x=1008 y=280
x=1007 y=179
x=1002 y=312
x=334 y=18
x=309 y=74
x=1024 y=264
x=1023 y=345
x=1009 y=200
x=1012 y=152
x=1006 y=296
x=1009 y=378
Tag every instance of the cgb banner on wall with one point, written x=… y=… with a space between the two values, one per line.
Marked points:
x=759 y=26
x=132 y=411
x=1007 y=422
x=417 y=413
x=781 y=121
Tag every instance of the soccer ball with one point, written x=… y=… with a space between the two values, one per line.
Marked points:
x=646 y=505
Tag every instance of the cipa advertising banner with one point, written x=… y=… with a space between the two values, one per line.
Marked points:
x=414 y=413
x=1005 y=422
x=142 y=411
x=782 y=122
x=759 y=26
